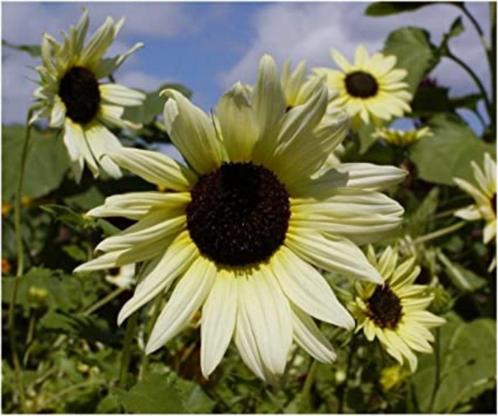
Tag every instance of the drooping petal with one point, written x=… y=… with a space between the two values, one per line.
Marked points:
x=188 y=296
x=218 y=321
x=103 y=142
x=174 y=262
x=336 y=255
x=310 y=338
x=121 y=95
x=305 y=287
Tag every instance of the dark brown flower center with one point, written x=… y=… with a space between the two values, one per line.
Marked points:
x=493 y=203
x=239 y=214
x=361 y=84
x=79 y=91
x=385 y=307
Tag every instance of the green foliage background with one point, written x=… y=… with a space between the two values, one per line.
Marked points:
x=71 y=350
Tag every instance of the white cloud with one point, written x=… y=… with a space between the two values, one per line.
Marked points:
x=307 y=31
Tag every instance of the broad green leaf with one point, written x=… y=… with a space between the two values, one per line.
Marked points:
x=468 y=354
x=386 y=8
x=448 y=153
x=153 y=394
x=33 y=50
x=415 y=53
x=429 y=100
x=46 y=163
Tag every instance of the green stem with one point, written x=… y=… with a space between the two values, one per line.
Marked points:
x=439 y=233
x=126 y=354
x=342 y=394
x=437 y=374
x=97 y=305
x=308 y=383
x=476 y=25
x=475 y=78
x=148 y=329
x=20 y=264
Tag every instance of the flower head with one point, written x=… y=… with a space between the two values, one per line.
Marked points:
x=402 y=138
x=72 y=97
x=241 y=227
x=395 y=312
x=484 y=195
x=371 y=89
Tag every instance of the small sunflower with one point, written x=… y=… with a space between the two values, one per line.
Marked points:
x=484 y=195
x=122 y=277
x=402 y=138
x=371 y=89
x=241 y=227
x=395 y=312
x=71 y=95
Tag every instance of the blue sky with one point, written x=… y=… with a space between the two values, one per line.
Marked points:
x=208 y=46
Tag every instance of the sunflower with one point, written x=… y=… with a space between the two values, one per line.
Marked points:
x=243 y=224
x=371 y=89
x=395 y=312
x=402 y=138
x=122 y=277
x=72 y=97
x=484 y=195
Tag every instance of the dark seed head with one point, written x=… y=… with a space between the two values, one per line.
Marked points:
x=79 y=91
x=238 y=214
x=385 y=307
x=114 y=271
x=493 y=203
x=361 y=84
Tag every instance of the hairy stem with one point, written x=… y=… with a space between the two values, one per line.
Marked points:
x=439 y=233
x=20 y=264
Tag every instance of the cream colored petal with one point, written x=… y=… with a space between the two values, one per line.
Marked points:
x=340 y=60
x=79 y=139
x=469 y=213
x=489 y=232
x=121 y=95
x=98 y=44
x=490 y=172
x=218 y=321
x=261 y=298
x=348 y=175
x=310 y=338
x=188 y=296
x=305 y=287
x=58 y=113
x=103 y=142
x=387 y=262
x=237 y=123
x=192 y=132
x=175 y=261
x=156 y=168
x=107 y=66
x=135 y=205
x=337 y=255
x=268 y=102
x=471 y=190
x=162 y=226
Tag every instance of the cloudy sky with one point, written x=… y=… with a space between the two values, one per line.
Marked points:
x=208 y=46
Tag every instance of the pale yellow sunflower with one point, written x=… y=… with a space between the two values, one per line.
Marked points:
x=402 y=138
x=395 y=311
x=240 y=228
x=73 y=99
x=371 y=89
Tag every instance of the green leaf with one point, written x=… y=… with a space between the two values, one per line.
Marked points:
x=464 y=279
x=468 y=353
x=429 y=100
x=419 y=220
x=448 y=153
x=153 y=394
x=456 y=29
x=33 y=50
x=386 y=8
x=415 y=53
x=46 y=163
